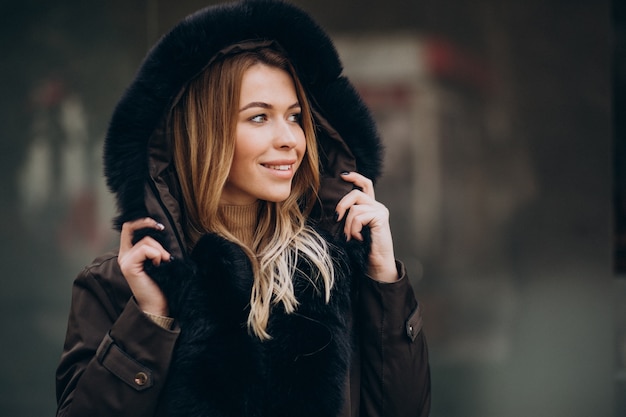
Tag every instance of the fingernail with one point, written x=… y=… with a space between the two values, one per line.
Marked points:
x=172 y=258
x=160 y=226
x=345 y=173
x=336 y=216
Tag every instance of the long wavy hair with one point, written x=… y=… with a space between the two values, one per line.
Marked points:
x=203 y=127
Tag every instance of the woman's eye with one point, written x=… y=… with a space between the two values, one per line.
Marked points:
x=259 y=118
x=295 y=118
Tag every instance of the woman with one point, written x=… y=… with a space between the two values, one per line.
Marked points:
x=255 y=275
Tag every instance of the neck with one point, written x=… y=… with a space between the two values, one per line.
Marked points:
x=241 y=221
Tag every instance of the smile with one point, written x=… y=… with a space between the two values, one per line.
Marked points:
x=279 y=167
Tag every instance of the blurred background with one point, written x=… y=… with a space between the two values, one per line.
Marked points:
x=503 y=177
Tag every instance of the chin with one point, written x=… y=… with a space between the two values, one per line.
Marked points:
x=276 y=197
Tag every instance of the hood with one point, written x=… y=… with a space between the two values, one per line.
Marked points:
x=136 y=156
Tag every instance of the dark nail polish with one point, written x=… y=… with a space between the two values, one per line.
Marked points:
x=172 y=258
x=336 y=217
x=345 y=173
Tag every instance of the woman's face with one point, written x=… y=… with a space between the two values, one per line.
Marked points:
x=269 y=142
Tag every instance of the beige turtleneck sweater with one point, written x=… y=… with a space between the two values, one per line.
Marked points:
x=241 y=221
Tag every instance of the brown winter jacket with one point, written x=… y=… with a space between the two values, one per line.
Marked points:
x=363 y=354
x=115 y=361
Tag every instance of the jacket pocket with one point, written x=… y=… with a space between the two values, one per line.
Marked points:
x=414 y=323
x=120 y=364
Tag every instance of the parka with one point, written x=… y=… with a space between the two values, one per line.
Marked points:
x=362 y=354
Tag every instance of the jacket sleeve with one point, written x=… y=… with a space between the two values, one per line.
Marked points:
x=395 y=373
x=114 y=362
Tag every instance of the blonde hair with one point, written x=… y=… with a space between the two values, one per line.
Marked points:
x=203 y=125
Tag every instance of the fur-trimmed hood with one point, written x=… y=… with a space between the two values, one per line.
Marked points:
x=136 y=155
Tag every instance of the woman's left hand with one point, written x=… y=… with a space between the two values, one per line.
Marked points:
x=363 y=210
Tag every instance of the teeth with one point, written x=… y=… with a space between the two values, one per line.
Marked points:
x=279 y=167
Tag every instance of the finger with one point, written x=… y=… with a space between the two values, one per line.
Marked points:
x=147 y=248
x=134 y=260
x=354 y=197
x=149 y=242
x=132 y=264
x=365 y=184
x=357 y=219
x=129 y=228
x=152 y=250
x=353 y=230
x=153 y=254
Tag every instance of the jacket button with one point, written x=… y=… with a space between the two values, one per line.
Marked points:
x=141 y=378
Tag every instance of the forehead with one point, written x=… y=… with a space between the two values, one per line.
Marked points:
x=266 y=82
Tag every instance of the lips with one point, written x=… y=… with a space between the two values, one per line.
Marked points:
x=280 y=164
x=279 y=167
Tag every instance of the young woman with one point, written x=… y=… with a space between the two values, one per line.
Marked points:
x=256 y=273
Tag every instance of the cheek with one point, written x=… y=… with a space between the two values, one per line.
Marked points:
x=246 y=147
x=301 y=146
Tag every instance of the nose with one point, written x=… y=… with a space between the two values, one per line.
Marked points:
x=286 y=135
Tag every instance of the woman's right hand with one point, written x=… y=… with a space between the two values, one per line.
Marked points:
x=131 y=259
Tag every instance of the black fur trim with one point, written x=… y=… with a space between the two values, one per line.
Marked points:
x=342 y=106
x=219 y=369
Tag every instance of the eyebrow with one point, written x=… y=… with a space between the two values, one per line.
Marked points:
x=263 y=105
